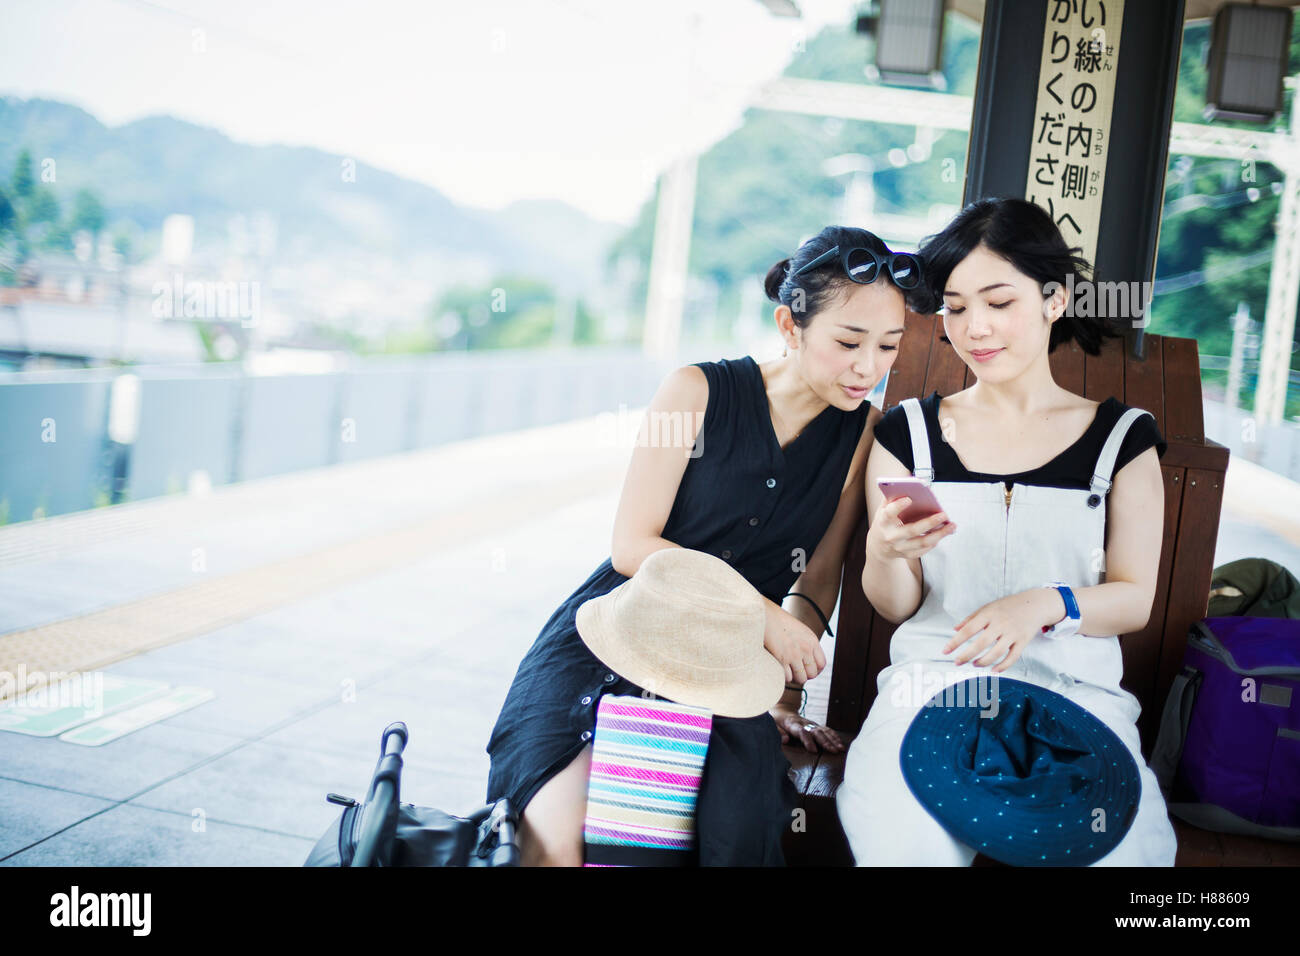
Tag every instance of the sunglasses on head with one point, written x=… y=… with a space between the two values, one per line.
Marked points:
x=864 y=266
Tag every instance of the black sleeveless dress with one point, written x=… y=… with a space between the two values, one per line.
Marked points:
x=753 y=504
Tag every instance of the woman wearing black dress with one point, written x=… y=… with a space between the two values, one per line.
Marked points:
x=761 y=466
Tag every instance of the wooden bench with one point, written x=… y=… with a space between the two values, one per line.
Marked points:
x=1166 y=382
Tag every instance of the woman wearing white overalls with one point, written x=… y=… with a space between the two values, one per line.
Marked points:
x=1026 y=472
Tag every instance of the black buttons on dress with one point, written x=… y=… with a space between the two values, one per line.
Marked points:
x=610 y=678
x=1094 y=500
x=771 y=482
x=586 y=735
x=753 y=522
x=726 y=555
x=586 y=701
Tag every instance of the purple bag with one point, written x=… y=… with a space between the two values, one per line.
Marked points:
x=1228 y=752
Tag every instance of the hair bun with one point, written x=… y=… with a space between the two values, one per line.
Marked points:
x=775 y=277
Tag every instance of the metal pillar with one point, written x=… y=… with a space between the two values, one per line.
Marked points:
x=668 y=259
x=1283 y=286
x=1236 y=360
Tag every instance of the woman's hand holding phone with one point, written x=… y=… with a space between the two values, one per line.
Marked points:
x=888 y=538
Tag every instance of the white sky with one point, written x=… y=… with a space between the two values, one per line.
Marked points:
x=487 y=100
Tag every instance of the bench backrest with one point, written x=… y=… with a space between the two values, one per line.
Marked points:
x=1166 y=381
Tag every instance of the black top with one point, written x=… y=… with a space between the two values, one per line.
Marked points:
x=747 y=500
x=1072 y=468
x=763 y=510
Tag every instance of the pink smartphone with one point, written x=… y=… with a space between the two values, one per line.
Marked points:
x=924 y=503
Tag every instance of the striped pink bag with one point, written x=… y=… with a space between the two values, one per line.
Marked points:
x=646 y=762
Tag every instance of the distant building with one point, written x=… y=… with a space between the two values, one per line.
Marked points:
x=75 y=314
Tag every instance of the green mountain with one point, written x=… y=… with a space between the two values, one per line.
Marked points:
x=147 y=169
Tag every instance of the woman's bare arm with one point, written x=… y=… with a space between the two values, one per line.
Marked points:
x=1135 y=521
x=659 y=460
x=820 y=579
x=663 y=449
x=893 y=586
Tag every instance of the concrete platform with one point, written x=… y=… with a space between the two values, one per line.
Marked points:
x=303 y=689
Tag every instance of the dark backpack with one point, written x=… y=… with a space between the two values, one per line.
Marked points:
x=1253 y=587
x=1228 y=752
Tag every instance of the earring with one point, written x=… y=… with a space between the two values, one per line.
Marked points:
x=785 y=350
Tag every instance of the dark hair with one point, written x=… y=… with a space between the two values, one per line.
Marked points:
x=1023 y=234
x=821 y=285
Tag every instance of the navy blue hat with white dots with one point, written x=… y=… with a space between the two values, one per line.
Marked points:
x=1021 y=773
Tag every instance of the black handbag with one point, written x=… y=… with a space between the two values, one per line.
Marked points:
x=382 y=831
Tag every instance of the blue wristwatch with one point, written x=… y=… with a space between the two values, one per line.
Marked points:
x=1070 y=623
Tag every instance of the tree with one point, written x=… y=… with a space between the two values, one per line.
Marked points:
x=8 y=215
x=39 y=219
x=88 y=213
x=23 y=182
x=42 y=206
x=508 y=312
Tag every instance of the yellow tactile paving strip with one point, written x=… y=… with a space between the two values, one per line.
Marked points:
x=100 y=638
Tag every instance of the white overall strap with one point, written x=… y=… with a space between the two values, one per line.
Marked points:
x=920 y=440
x=1109 y=452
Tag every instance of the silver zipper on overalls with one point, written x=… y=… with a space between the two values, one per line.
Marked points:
x=1006 y=540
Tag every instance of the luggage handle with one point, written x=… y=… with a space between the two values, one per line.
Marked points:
x=379 y=813
x=395 y=729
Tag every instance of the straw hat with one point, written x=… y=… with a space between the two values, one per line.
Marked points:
x=687 y=626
